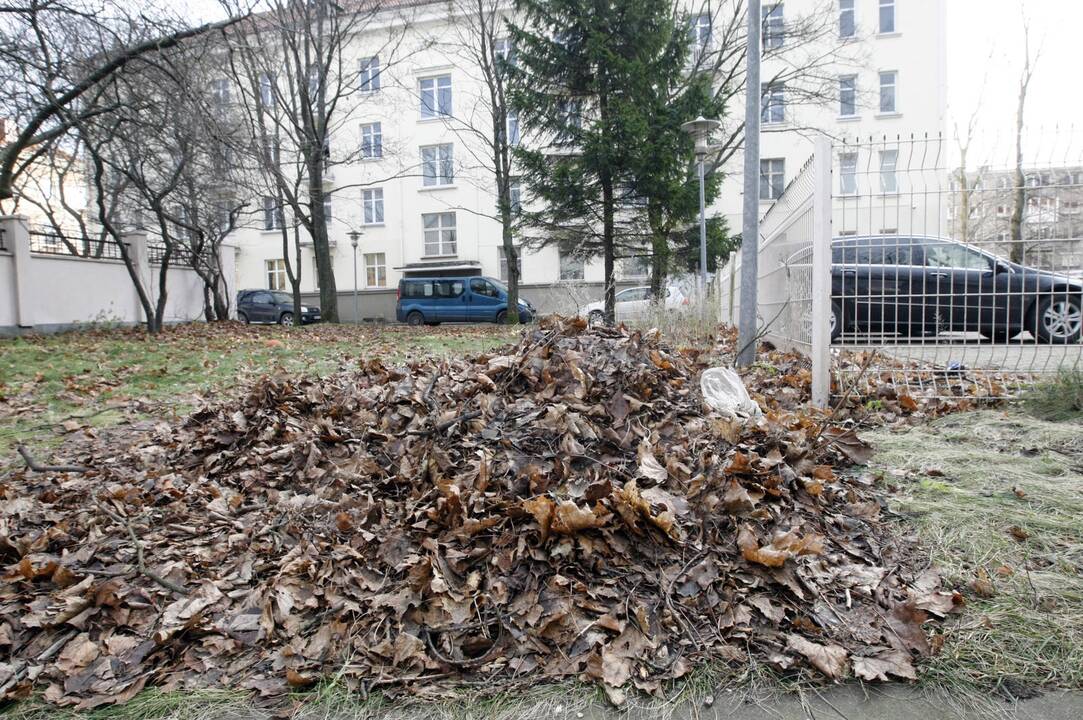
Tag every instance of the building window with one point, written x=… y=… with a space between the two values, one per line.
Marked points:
x=888 y=80
x=571 y=267
x=773 y=26
x=220 y=92
x=267 y=90
x=638 y=266
x=276 y=274
x=372 y=140
x=572 y=113
x=502 y=258
x=439 y=234
x=513 y=128
x=327 y=210
x=437 y=165
x=272 y=214
x=504 y=49
x=372 y=201
x=375 y=270
x=774 y=103
x=848 y=173
x=889 y=182
x=772 y=178
x=848 y=95
x=435 y=97
x=700 y=32
x=369 y=74
x=313 y=82
x=515 y=196
x=847 y=24
x=887 y=16
x=315 y=273
x=271 y=154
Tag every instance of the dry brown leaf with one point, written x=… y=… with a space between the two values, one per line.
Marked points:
x=830 y=659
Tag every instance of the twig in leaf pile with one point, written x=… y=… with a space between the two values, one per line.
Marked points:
x=38 y=467
x=139 y=561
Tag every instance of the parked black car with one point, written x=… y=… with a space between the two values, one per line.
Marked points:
x=915 y=286
x=272 y=306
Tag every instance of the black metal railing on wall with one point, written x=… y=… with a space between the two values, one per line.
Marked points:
x=47 y=241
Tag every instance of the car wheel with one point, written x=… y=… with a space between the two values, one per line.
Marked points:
x=835 y=321
x=415 y=318
x=502 y=318
x=596 y=317
x=285 y=318
x=1059 y=320
x=243 y=318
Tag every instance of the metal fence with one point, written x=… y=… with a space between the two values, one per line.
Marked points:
x=48 y=241
x=927 y=279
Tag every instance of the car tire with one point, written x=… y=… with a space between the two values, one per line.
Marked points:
x=415 y=318
x=243 y=318
x=502 y=317
x=835 y=321
x=285 y=318
x=596 y=317
x=1058 y=319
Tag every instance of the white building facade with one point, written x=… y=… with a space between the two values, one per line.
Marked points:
x=423 y=195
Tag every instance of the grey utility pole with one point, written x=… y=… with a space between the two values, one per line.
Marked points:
x=750 y=227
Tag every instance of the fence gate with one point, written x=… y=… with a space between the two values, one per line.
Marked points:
x=900 y=275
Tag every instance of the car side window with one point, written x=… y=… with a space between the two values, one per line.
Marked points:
x=950 y=255
x=478 y=286
x=897 y=255
x=448 y=288
x=632 y=294
x=262 y=298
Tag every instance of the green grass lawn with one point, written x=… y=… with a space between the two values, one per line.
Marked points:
x=100 y=377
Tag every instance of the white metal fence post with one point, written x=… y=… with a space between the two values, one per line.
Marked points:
x=821 y=273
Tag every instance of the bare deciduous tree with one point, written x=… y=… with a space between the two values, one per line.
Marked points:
x=1020 y=195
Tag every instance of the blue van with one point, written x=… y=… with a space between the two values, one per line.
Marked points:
x=432 y=301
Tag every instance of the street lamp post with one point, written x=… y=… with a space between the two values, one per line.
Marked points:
x=355 y=236
x=700 y=129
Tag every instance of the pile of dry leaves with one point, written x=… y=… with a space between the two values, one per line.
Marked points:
x=564 y=508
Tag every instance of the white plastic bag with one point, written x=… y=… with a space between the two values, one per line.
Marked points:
x=725 y=393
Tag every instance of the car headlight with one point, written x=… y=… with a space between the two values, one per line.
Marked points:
x=304 y=309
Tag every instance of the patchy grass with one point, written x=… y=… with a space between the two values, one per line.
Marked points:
x=997 y=498
x=1058 y=399
x=99 y=377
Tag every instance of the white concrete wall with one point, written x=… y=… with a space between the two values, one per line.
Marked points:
x=57 y=292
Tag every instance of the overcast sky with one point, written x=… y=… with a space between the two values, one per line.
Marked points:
x=985 y=58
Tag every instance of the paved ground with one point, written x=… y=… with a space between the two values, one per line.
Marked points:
x=1024 y=357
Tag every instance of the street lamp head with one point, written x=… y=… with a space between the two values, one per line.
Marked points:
x=355 y=236
x=700 y=128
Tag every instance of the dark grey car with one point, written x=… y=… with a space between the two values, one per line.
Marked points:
x=272 y=306
x=915 y=286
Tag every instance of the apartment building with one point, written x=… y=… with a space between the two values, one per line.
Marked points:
x=420 y=198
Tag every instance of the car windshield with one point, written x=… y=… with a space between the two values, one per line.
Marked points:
x=499 y=285
x=282 y=298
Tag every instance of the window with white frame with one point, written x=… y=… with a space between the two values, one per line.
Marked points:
x=375 y=270
x=887 y=16
x=515 y=195
x=847 y=20
x=772 y=178
x=267 y=90
x=571 y=266
x=440 y=236
x=502 y=259
x=504 y=49
x=270 y=152
x=848 y=95
x=313 y=81
x=368 y=75
x=276 y=274
x=272 y=213
x=774 y=32
x=372 y=140
x=848 y=173
x=435 y=96
x=889 y=181
x=700 y=32
x=327 y=210
x=774 y=103
x=572 y=112
x=636 y=267
x=888 y=100
x=437 y=165
x=513 y=128
x=372 y=203
x=220 y=91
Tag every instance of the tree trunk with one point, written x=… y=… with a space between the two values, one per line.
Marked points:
x=659 y=254
x=608 y=254
x=1016 y=226
x=512 y=257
